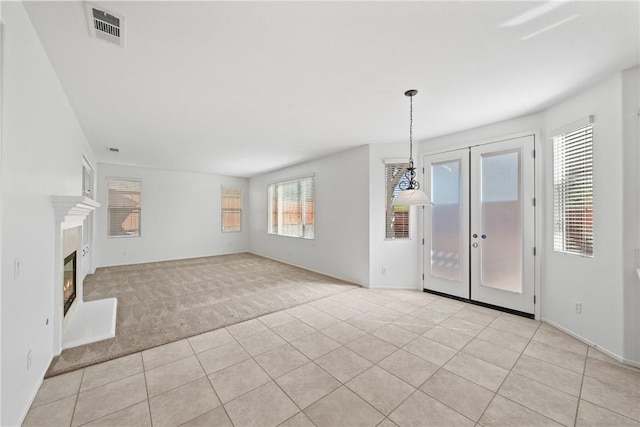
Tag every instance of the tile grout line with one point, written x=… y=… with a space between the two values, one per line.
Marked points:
x=453 y=373
x=381 y=324
x=509 y=373
x=584 y=372
x=210 y=383
x=73 y=414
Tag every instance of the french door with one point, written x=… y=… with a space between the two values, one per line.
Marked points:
x=479 y=234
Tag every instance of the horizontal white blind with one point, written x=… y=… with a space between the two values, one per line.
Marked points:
x=124 y=207
x=396 y=217
x=573 y=191
x=292 y=208
x=231 y=209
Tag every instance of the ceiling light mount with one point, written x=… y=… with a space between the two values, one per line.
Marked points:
x=411 y=195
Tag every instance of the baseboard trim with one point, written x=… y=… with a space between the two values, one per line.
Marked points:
x=34 y=393
x=171 y=259
x=309 y=269
x=482 y=304
x=590 y=343
x=394 y=288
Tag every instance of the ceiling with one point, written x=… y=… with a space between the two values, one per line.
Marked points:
x=241 y=88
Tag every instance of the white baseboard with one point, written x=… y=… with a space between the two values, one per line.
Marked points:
x=34 y=393
x=592 y=344
x=396 y=288
x=309 y=269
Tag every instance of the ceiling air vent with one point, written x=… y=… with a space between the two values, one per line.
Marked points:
x=105 y=25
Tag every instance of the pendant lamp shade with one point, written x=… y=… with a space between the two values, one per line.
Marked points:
x=411 y=195
x=411 y=198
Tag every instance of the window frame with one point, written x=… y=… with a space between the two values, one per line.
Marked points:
x=304 y=205
x=389 y=208
x=582 y=159
x=224 y=210
x=124 y=236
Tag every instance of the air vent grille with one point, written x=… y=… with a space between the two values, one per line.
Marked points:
x=105 y=25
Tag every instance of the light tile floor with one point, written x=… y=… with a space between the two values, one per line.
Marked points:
x=363 y=357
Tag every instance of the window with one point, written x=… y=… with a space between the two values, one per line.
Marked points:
x=396 y=217
x=292 y=208
x=573 y=191
x=231 y=209
x=124 y=207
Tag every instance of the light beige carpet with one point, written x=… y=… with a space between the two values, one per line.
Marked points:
x=167 y=301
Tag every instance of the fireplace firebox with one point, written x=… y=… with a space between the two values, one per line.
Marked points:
x=69 y=281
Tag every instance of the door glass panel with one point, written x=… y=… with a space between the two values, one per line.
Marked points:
x=446 y=238
x=501 y=222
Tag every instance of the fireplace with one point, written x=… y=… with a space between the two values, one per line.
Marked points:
x=69 y=281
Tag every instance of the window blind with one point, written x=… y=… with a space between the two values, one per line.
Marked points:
x=573 y=191
x=396 y=217
x=124 y=207
x=231 y=209
x=292 y=208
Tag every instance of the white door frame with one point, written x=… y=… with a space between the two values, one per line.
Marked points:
x=451 y=287
x=520 y=301
x=445 y=146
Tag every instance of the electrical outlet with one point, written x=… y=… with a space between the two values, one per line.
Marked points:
x=16 y=268
x=384 y=271
x=578 y=307
x=28 y=360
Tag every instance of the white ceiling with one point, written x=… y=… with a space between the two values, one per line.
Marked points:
x=240 y=88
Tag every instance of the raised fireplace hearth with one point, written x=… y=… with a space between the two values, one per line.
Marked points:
x=75 y=321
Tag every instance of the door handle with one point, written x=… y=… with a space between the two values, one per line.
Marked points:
x=475 y=236
x=475 y=245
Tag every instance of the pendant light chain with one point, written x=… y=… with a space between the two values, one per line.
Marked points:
x=411 y=170
x=411 y=130
x=410 y=193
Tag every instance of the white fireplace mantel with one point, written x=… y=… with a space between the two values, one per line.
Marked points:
x=70 y=211
x=90 y=321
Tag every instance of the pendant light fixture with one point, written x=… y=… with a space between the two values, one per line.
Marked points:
x=411 y=195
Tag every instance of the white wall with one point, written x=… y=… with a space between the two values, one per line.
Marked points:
x=42 y=153
x=1 y=197
x=595 y=282
x=631 y=224
x=341 y=244
x=605 y=287
x=526 y=124
x=180 y=217
x=400 y=257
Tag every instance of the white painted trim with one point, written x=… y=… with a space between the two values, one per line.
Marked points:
x=309 y=269
x=592 y=344
x=396 y=160
x=443 y=147
x=119 y=178
x=399 y=288
x=296 y=178
x=539 y=223
x=538 y=194
x=571 y=126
